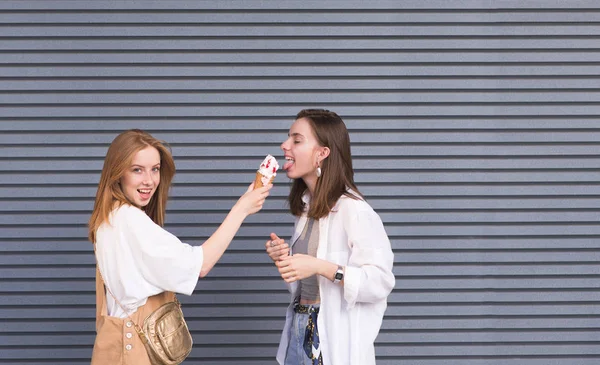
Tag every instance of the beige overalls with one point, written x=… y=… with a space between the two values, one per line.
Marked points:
x=117 y=342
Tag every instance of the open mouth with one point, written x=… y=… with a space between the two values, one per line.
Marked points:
x=288 y=162
x=145 y=193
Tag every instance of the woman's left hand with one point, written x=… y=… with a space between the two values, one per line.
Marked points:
x=277 y=248
x=297 y=267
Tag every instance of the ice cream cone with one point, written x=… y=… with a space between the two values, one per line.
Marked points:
x=266 y=172
x=262 y=180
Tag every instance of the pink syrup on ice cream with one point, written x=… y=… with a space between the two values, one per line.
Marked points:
x=268 y=169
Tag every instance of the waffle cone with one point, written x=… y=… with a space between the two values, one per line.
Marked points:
x=258 y=180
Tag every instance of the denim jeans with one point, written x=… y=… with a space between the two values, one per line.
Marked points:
x=295 y=351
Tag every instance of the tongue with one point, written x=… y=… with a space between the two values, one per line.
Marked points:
x=287 y=165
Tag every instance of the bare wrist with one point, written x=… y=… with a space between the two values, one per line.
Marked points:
x=238 y=211
x=328 y=270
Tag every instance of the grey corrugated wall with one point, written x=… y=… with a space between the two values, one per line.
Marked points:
x=475 y=136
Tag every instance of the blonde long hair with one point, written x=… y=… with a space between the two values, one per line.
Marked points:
x=118 y=159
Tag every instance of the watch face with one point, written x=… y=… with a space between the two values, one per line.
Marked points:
x=339 y=276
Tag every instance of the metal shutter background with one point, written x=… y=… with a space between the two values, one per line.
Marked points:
x=475 y=136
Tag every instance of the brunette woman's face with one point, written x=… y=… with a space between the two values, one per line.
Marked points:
x=141 y=179
x=301 y=152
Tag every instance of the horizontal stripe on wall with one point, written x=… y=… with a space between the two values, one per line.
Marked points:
x=474 y=128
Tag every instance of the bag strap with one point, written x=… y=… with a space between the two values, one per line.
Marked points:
x=138 y=329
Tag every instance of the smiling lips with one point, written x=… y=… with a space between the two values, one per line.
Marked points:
x=145 y=194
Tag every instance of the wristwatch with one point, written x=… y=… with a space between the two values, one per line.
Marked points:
x=339 y=275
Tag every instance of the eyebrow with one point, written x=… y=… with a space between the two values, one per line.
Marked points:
x=136 y=165
x=295 y=135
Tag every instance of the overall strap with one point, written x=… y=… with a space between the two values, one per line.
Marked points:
x=101 y=309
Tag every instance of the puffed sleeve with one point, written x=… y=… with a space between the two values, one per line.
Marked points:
x=368 y=276
x=161 y=258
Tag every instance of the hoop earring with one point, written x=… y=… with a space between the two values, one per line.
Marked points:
x=318 y=171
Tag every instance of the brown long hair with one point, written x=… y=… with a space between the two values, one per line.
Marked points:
x=118 y=159
x=337 y=174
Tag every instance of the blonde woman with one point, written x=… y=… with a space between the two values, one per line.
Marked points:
x=141 y=264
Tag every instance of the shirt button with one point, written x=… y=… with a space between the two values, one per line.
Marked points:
x=129 y=324
x=128 y=335
x=128 y=347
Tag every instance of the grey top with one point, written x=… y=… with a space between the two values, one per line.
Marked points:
x=307 y=243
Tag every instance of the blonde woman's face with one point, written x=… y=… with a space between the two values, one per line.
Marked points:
x=141 y=179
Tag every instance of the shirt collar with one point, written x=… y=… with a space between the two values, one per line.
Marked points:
x=306 y=199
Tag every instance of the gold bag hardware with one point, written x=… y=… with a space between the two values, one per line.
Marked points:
x=166 y=335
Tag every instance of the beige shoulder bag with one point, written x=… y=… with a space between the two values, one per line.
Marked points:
x=164 y=332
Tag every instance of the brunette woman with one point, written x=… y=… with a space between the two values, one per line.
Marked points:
x=339 y=269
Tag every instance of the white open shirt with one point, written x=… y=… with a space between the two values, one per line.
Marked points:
x=137 y=259
x=350 y=315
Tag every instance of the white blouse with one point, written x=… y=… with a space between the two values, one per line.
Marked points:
x=137 y=259
x=352 y=235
